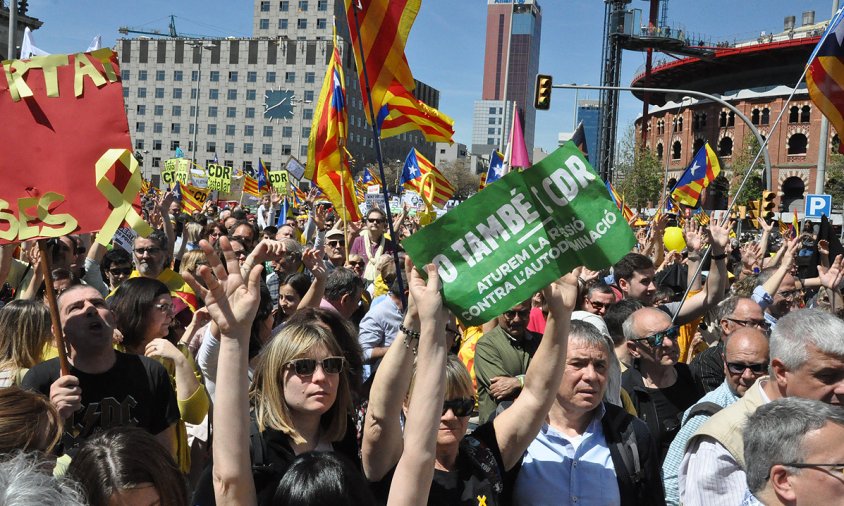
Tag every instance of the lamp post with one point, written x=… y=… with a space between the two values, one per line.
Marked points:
x=197 y=44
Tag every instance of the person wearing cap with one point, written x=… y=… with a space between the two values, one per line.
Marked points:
x=335 y=249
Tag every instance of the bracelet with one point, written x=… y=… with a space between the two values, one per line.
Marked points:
x=719 y=257
x=409 y=333
x=521 y=378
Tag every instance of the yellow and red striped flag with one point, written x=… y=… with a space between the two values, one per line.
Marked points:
x=250 y=186
x=825 y=74
x=402 y=112
x=328 y=161
x=413 y=177
x=619 y=202
x=384 y=27
x=192 y=198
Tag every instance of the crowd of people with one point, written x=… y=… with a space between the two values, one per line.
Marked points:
x=225 y=359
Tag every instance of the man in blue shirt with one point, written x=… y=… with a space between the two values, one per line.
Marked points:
x=589 y=452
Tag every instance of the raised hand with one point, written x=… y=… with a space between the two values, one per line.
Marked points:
x=695 y=236
x=831 y=276
x=719 y=234
x=764 y=225
x=562 y=293
x=312 y=260
x=751 y=253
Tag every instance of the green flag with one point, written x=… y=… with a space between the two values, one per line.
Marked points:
x=520 y=233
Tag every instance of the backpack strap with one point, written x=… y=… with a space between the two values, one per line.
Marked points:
x=704 y=408
x=257 y=445
x=627 y=446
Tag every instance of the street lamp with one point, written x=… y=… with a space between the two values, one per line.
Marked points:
x=201 y=45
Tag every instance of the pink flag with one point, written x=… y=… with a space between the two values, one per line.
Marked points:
x=518 y=151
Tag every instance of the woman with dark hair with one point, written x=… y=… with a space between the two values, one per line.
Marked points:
x=318 y=478
x=143 y=313
x=213 y=231
x=291 y=290
x=127 y=466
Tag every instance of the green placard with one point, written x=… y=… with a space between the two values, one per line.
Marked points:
x=527 y=229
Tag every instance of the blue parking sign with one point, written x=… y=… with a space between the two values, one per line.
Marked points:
x=818 y=205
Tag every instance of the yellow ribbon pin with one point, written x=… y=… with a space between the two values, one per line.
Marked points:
x=427 y=217
x=481 y=500
x=121 y=201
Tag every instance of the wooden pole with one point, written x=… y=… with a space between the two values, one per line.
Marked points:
x=52 y=303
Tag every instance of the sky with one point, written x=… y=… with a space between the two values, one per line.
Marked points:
x=446 y=44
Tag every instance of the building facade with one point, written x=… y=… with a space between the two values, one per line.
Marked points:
x=241 y=99
x=511 y=62
x=589 y=112
x=450 y=153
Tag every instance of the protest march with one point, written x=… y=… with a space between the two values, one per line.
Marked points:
x=306 y=335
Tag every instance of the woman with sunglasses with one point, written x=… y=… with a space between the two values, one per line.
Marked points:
x=143 y=313
x=466 y=467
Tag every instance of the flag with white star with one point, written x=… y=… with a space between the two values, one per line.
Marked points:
x=703 y=169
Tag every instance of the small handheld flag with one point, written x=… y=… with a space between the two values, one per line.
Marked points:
x=696 y=178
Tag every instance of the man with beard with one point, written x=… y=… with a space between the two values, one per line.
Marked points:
x=502 y=356
x=150 y=256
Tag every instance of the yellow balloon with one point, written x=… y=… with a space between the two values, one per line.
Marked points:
x=673 y=239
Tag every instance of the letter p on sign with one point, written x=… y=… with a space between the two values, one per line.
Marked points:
x=818 y=205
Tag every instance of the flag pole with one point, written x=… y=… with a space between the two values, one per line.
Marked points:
x=52 y=304
x=376 y=139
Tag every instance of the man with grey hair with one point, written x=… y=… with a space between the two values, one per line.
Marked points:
x=24 y=482
x=807 y=360
x=343 y=289
x=151 y=257
x=795 y=453
x=589 y=451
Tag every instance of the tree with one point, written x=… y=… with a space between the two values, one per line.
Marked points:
x=835 y=179
x=741 y=166
x=639 y=171
x=464 y=180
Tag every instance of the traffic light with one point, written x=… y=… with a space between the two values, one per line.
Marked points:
x=542 y=100
x=766 y=205
x=753 y=212
x=742 y=212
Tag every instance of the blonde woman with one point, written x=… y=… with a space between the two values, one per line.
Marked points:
x=25 y=339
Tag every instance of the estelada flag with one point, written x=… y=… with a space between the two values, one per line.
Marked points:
x=192 y=198
x=415 y=176
x=696 y=178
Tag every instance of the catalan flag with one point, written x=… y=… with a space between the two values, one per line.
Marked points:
x=419 y=175
x=328 y=161
x=381 y=27
x=263 y=178
x=619 y=202
x=402 y=112
x=696 y=178
x=702 y=217
x=495 y=170
x=250 y=186
x=192 y=198
x=825 y=75
x=369 y=178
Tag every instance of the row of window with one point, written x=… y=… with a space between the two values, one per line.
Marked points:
x=214 y=76
x=284 y=5
x=301 y=24
x=213 y=111
x=796 y=114
x=229 y=130
x=228 y=148
x=797 y=145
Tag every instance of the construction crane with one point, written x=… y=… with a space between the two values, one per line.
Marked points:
x=171 y=32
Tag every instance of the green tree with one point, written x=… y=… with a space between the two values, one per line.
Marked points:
x=741 y=166
x=464 y=180
x=835 y=179
x=638 y=173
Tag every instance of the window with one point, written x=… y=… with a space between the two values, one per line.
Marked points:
x=139 y=144
x=192 y=112
x=754 y=116
x=678 y=124
x=492 y=110
x=231 y=95
x=177 y=93
x=250 y=94
x=270 y=77
x=193 y=92
x=124 y=75
x=157 y=128
x=287 y=131
x=250 y=112
x=282 y=24
x=158 y=110
x=212 y=129
x=491 y=121
x=722 y=120
x=178 y=75
x=285 y=149
x=284 y=6
x=156 y=160
x=265 y=6
x=310 y=77
x=142 y=75
x=140 y=126
x=141 y=109
x=177 y=110
x=309 y=95
x=797 y=144
x=307 y=114
x=159 y=93
x=490 y=131
x=213 y=94
x=142 y=93
x=231 y=112
x=268 y=131
x=731 y=119
x=659 y=151
x=264 y=24
x=247 y=148
x=322 y=5
x=725 y=147
x=175 y=128
x=233 y=76
x=290 y=77
x=490 y=141
x=251 y=76
x=211 y=147
x=194 y=75
x=766 y=116
x=125 y=92
x=229 y=147
x=214 y=76
x=212 y=111
x=190 y=129
x=306 y=132
x=793 y=114
x=249 y=130
x=676 y=150
x=303 y=5
x=159 y=75
x=266 y=149
x=805 y=113
x=301 y=23
x=321 y=23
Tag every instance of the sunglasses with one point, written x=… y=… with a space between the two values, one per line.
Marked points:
x=460 y=407
x=359 y=264
x=164 y=307
x=736 y=368
x=120 y=271
x=376 y=220
x=524 y=314
x=307 y=366
x=656 y=339
x=149 y=251
x=336 y=244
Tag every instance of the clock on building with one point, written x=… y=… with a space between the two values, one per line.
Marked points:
x=278 y=104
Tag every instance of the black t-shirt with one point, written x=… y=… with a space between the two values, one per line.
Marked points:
x=136 y=392
x=670 y=403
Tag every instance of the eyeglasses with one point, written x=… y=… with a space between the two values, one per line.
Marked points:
x=120 y=271
x=164 y=307
x=460 y=407
x=511 y=315
x=838 y=468
x=336 y=244
x=376 y=220
x=759 y=324
x=149 y=251
x=359 y=263
x=596 y=304
x=790 y=294
x=736 y=368
x=307 y=366
x=656 y=339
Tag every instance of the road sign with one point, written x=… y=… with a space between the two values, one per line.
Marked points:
x=818 y=205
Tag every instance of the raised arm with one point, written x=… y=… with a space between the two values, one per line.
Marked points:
x=232 y=304
x=518 y=425
x=312 y=259
x=412 y=479
x=716 y=284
